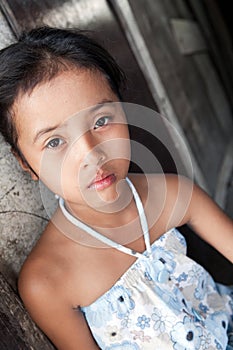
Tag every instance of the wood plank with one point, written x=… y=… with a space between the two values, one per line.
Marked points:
x=140 y=46
x=186 y=87
x=17 y=330
x=219 y=39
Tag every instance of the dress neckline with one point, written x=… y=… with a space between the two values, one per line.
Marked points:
x=88 y=229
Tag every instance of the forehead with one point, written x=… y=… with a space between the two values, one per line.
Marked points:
x=63 y=96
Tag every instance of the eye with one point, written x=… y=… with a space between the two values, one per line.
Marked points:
x=102 y=122
x=54 y=143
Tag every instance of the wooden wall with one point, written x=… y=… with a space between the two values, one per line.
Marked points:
x=178 y=52
x=177 y=64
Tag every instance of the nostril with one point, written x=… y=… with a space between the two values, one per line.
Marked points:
x=102 y=158
x=94 y=158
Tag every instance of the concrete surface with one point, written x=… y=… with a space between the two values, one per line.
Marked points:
x=22 y=215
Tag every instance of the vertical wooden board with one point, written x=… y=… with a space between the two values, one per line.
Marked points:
x=215 y=93
x=185 y=87
x=228 y=199
x=208 y=13
x=198 y=250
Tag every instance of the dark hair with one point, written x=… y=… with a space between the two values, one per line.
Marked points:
x=38 y=56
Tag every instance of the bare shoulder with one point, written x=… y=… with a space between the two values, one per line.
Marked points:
x=176 y=201
x=41 y=271
x=166 y=198
x=148 y=184
x=45 y=287
x=165 y=185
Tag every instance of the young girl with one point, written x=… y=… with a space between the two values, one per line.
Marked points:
x=110 y=271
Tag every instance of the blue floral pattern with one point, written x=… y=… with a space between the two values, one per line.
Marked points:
x=186 y=335
x=143 y=322
x=165 y=301
x=120 y=301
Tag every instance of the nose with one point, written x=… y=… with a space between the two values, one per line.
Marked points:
x=93 y=152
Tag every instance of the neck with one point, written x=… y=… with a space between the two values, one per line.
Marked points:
x=113 y=214
x=125 y=220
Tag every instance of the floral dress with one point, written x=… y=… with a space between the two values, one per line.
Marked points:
x=164 y=301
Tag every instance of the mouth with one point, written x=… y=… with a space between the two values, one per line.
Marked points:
x=102 y=181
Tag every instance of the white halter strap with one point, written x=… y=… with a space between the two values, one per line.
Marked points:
x=106 y=240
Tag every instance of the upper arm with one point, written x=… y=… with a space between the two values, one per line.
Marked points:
x=211 y=223
x=192 y=206
x=51 y=311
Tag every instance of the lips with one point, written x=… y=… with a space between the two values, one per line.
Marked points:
x=102 y=181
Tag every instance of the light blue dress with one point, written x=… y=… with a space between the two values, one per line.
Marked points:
x=163 y=301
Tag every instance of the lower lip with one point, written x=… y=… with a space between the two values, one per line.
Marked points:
x=104 y=183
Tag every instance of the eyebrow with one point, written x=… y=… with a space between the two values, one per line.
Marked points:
x=44 y=131
x=52 y=128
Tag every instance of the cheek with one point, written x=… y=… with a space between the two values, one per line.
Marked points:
x=50 y=174
x=53 y=170
x=117 y=145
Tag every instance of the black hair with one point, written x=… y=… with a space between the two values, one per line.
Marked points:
x=38 y=56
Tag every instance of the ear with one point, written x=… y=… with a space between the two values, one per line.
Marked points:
x=25 y=166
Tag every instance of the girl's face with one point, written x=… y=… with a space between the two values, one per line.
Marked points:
x=73 y=133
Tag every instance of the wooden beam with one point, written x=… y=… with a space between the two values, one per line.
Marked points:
x=157 y=88
x=17 y=330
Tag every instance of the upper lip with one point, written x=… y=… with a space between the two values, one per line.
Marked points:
x=100 y=175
